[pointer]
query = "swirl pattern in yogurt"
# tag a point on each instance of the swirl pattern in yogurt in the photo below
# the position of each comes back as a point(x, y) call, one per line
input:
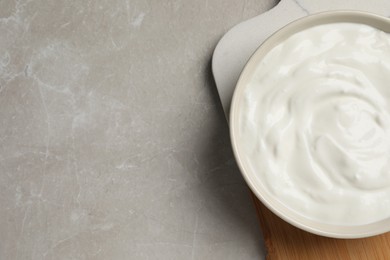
point(314, 124)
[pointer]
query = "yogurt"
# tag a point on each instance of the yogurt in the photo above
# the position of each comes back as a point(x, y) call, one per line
point(314, 123)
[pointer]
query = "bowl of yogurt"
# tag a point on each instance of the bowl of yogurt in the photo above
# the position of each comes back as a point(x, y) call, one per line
point(310, 124)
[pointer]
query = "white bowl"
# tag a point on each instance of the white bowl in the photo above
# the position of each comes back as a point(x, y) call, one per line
point(316, 227)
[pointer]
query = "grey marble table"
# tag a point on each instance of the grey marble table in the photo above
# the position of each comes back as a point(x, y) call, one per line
point(113, 143)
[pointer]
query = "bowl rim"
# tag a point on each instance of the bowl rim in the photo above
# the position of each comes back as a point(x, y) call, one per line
point(328, 17)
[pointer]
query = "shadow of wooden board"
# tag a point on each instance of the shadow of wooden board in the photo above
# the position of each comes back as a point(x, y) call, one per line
point(282, 240)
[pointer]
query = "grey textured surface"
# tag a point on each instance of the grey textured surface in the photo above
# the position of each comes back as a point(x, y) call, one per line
point(113, 143)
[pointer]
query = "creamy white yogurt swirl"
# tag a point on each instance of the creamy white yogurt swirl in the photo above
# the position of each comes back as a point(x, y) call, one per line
point(315, 123)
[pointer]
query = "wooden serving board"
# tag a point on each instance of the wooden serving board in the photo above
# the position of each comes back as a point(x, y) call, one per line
point(282, 240)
